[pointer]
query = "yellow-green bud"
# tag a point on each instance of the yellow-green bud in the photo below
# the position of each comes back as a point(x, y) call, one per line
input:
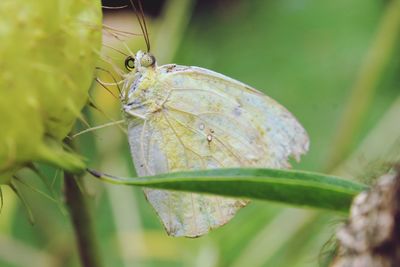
point(48, 51)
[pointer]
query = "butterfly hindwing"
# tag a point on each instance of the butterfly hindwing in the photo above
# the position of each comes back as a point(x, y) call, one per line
point(156, 148)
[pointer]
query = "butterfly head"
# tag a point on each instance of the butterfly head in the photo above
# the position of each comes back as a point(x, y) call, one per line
point(142, 61)
point(138, 95)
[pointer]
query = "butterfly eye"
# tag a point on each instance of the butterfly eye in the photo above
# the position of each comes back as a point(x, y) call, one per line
point(130, 63)
point(147, 60)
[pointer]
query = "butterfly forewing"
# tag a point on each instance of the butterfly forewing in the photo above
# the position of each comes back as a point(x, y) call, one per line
point(204, 92)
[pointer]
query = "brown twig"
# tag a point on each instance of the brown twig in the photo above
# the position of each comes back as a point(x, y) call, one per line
point(82, 223)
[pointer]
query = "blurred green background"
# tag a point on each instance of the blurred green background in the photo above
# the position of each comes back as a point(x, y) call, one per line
point(306, 54)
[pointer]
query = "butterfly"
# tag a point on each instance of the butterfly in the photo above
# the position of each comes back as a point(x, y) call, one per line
point(190, 118)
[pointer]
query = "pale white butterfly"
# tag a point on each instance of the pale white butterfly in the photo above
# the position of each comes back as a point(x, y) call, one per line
point(190, 118)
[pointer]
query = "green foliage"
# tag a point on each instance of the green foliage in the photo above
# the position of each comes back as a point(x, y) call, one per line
point(48, 52)
point(288, 186)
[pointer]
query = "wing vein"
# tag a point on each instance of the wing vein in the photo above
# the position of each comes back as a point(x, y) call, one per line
point(187, 90)
point(226, 146)
point(218, 139)
point(178, 138)
point(198, 115)
point(145, 163)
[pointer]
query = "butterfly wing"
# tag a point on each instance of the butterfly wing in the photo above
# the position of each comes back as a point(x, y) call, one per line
point(203, 92)
point(209, 121)
point(157, 147)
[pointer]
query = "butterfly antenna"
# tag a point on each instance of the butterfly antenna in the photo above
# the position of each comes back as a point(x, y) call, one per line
point(142, 22)
point(145, 25)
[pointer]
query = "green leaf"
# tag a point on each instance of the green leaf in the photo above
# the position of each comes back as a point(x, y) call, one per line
point(287, 186)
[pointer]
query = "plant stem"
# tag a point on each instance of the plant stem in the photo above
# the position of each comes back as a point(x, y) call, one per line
point(365, 86)
point(82, 223)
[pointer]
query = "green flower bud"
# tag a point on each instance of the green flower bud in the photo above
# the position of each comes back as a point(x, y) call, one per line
point(48, 51)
